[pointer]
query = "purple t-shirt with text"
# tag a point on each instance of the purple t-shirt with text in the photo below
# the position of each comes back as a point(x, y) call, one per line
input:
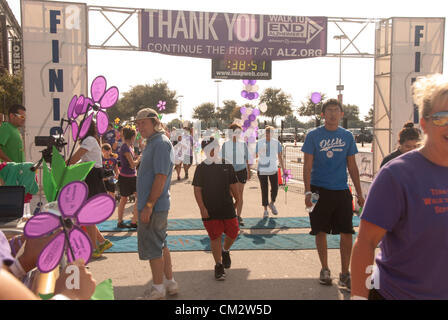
point(126, 170)
point(409, 199)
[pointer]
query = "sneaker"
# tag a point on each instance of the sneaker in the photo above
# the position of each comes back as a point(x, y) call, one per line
point(240, 221)
point(226, 262)
point(105, 245)
point(172, 287)
point(345, 281)
point(220, 274)
point(273, 208)
point(96, 253)
point(325, 278)
point(155, 294)
point(265, 214)
point(122, 225)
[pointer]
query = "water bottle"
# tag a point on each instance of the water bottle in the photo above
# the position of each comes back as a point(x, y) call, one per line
point(314, 199)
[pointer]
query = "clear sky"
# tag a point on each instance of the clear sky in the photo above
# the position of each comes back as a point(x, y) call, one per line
point(191, 77)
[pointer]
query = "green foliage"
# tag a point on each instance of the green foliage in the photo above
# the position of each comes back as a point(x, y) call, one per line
point(205, 112)
point(225, 114)
point(11, 91)
point(175, 123)
point(310, 109)
point(147, 96)
point(369, 118)
point(278, 102)
point(351, 112)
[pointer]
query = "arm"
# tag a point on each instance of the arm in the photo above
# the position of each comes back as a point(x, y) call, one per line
point(133, 164)
point(235, 194)
point(3, 156)
point(354, 174)
point(363, 256)
point(307, 166)
point(77, 156)
point(280, 160)
point(200, 202)
point(156, 191)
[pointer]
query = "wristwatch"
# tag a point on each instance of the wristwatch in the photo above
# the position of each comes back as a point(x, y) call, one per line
point(149, 205)
point(307, 193)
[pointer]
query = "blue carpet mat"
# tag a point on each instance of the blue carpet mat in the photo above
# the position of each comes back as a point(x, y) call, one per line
point(249, 223)
point(243, 242)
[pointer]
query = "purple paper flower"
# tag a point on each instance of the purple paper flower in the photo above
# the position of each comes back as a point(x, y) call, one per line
point(287, 175)
point(161, 105)
point(101, 99)
point(75, 211)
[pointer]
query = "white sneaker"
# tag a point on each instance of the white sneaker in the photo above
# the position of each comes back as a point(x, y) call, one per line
point(265, 214)
point(172, 287)
point(155, 294)
point(273, 208)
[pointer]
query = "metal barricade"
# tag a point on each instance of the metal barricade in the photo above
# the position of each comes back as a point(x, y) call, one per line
point(293, 159)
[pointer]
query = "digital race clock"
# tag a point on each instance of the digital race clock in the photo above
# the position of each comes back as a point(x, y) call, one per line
point(241, 69)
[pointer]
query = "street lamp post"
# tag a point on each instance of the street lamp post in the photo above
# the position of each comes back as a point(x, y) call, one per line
point(180, 106)
point(340, 87)
point(217, 98)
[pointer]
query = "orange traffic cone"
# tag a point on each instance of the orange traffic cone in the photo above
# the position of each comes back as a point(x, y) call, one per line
point(280, 181)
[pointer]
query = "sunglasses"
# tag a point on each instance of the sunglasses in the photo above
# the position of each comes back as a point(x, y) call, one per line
point(19, 116)
point(439, 119)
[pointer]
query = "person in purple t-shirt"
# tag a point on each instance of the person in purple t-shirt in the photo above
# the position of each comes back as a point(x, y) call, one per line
point(407, 213)
point(127, 180)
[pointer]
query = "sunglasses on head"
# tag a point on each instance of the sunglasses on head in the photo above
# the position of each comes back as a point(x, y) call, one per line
point(19, 116)
point(439, 119)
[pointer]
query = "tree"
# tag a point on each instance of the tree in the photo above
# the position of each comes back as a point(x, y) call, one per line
point(175, 123)
point(11, 91)
point(278, 102)
point(351, 112)
point(205, 112)
point(144, 96)
point(311, 109)
point(369, 117)
point(291, 121)
point(225, 113)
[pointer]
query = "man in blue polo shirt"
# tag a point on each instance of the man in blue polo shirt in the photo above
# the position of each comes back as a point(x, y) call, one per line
point(153, 203)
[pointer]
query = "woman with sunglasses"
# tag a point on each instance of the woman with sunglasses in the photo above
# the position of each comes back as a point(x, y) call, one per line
point(409, 139)
point(407, 210)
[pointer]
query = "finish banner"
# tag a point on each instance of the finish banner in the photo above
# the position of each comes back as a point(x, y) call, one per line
point(232, 35)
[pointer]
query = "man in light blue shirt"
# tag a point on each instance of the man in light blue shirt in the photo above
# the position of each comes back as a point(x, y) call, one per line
point(153, 202)
point(236, 153)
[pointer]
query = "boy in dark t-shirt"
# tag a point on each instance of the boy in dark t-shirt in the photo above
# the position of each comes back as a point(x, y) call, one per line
point(214, 184)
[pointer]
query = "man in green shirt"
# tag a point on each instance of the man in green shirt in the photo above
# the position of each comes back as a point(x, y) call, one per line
point(11, 144)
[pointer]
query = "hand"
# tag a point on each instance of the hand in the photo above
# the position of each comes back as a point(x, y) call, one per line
point(33, 248)
point(235, 205)
point(308, 202)
point(81, 288)
point(204, 213)
point(361, 201)
point(145, 215)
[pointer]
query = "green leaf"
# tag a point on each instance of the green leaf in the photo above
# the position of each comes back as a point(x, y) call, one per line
point(104, 291)
point(49, 184)
point(57, 167)
point(77, 172)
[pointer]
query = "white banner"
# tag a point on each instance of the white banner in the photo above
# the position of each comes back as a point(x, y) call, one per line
point(417, 50)
point(55, 65)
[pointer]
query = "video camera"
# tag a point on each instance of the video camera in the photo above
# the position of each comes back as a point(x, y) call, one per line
point(49, 141)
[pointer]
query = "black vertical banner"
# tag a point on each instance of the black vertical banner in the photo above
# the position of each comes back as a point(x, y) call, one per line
point(4, 61)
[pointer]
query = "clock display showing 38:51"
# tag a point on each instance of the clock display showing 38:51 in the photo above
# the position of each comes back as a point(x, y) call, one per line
point(246, 65)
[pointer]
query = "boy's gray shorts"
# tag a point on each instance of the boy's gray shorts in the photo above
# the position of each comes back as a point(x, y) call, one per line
point(152, 236)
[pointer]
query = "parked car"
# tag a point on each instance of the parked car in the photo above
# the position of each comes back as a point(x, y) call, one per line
point(286, 137)
point(365, 135)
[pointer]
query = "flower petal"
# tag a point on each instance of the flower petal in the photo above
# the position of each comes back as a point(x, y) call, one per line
point(71, 107)
point(102, 121)
point(75, 128)
point(97, 88)
point(80, 243)
point(72, 197)
point(97, 209)
point(41, 224)
point(85, 126)
point(79, 105)
point(52, 253)
point(110, 98)
point(87, 105)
